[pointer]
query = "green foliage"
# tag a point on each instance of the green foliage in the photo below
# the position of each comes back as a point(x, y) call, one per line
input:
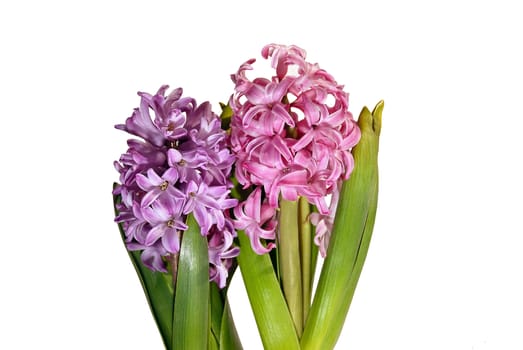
point(198, 310)
point(350, 239)
point(191, 305)
point(272, 316)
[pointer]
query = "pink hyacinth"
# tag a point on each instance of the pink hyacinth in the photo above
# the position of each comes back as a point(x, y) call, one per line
point(257, 221)
point(292, 136)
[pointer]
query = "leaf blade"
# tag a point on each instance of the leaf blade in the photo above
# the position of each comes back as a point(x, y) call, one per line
point(272, 316)
point(229, 339)
point(191, 305)
point(349, 240)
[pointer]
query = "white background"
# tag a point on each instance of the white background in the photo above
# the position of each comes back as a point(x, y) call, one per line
point(444, 270)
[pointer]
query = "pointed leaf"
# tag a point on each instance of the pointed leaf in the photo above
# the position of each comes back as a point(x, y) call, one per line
point(191, 306)
point(229, 339)
point(274, 322)
point(349, 242)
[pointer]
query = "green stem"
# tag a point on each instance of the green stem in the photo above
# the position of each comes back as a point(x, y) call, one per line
point(289, 259)
point(306, 253)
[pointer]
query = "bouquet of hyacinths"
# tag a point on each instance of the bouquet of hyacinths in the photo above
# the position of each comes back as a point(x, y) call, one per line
point(283, 174)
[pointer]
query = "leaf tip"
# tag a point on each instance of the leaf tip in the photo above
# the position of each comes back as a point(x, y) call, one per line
point(376, 114)
point(365, 119)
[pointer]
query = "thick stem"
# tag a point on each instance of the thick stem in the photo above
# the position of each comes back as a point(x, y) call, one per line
point(290, 264)
point(306, 253)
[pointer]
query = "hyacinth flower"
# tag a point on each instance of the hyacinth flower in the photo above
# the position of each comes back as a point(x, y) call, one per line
point(307, 172)
point(172, 203)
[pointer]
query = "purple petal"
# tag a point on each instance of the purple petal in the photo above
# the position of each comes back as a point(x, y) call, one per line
point(170, 175)
point(150, 197)
point(155, 215)
point(152, 258)
point(216, 191)
point(202, 218)
point(173, 156)
point(155, 233)
point(171, 241)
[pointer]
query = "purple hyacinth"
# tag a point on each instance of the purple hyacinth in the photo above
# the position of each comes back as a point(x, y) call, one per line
point(179, 165)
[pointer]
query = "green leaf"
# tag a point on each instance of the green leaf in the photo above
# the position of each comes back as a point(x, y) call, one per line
point(226, 115)
point(350, 239)
point(191, 306)
point(212, 341)
point(216, 310)
point(223, 330)
point(158, 289)
point(229, 339)
point(274, 322)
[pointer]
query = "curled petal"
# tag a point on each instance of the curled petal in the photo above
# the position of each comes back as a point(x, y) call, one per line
point(140, 124)
point(257, 219)
point(257, 245)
